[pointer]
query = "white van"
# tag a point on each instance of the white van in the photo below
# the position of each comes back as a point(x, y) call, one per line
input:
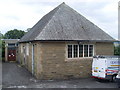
point(105, 67)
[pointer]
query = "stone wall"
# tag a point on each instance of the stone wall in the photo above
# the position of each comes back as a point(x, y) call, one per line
point(26, 59)
point(50, 60)
point(56, 65)
point(104, 48)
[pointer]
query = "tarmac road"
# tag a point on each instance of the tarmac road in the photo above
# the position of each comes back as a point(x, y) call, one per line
point(15, 76)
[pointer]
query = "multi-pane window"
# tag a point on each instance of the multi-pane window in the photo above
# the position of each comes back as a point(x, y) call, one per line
point(90, 50)
point(11, 44)
point(78, 51)
point(75, 50)
point(69, 51)
point(85, 50)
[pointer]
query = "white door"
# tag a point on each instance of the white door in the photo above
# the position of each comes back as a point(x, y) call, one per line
point(33, 59)
point(24, 55)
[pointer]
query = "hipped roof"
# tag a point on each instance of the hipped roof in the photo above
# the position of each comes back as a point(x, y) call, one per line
point(64, 23)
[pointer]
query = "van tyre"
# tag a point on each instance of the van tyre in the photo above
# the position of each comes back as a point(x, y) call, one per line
point(113, 78)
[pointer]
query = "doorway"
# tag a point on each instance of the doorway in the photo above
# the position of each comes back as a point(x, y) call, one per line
point(24, 56)
point(33, 59)
point(11, 54)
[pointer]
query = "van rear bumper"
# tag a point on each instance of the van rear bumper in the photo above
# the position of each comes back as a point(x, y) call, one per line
point(98, 77)
point(109, 77)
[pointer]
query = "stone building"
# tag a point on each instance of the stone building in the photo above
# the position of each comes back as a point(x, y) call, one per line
point(61, 45)
point(10, 49)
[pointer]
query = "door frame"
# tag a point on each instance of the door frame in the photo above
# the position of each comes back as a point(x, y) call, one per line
point(24, 56)
point(8, 50)
point(33, 59)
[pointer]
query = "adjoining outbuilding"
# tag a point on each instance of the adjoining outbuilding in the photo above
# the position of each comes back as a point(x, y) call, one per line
point(10, 49)
point(61, 45)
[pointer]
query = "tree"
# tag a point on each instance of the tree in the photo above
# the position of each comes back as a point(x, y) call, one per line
point(14, 34)
point(1, 35)
point(28, 29)
point(117, 49)
point(3, 50)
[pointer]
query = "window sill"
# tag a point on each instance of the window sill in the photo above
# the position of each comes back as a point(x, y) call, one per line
point(78, 59)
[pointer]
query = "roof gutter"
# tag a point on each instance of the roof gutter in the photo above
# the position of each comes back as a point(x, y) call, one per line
point(69, 40)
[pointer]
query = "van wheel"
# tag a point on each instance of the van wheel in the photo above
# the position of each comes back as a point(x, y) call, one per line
point(113, 78)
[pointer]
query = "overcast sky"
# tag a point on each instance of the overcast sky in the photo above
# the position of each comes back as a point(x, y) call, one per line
point(23, 14)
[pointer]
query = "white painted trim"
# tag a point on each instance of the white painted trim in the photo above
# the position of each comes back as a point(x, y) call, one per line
point(93, 51)
point(88, 50)
point(66, 49)
point(78, 51)
point(83, 50)
point(72, 51)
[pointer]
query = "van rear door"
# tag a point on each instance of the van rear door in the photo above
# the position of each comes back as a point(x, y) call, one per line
point(98, 67)
point(95, 67)
point(102, 67)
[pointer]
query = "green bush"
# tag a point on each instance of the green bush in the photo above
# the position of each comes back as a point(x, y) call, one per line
point(3, 51)
point(117, 50)
point(0, 49)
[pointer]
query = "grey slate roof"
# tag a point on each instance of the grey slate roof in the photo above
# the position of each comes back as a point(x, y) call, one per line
point(64, 23)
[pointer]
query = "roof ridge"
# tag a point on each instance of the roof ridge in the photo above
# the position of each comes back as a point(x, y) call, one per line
point(47, 14)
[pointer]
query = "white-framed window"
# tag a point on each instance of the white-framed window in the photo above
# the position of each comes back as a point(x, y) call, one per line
point(75, 51)
point(70, 51)
point(86, 50)
point(79, 51)
point(91, 50)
